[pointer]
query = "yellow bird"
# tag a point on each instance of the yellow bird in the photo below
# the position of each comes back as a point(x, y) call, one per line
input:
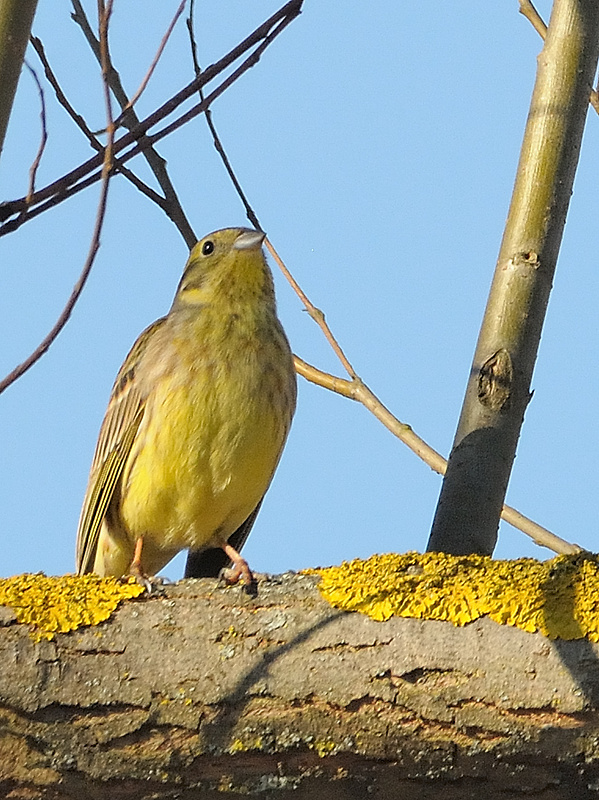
point(196, 422)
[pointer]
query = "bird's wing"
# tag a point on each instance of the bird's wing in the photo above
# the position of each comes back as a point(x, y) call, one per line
point(209, 563)
point(117, 434)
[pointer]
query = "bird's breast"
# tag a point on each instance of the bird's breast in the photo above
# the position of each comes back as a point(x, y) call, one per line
point(206, 450)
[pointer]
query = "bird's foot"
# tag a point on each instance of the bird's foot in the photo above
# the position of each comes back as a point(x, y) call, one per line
point(239, 570)
point(151, 583)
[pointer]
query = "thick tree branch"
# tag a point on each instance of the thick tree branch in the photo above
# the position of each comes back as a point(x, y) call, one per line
point(203, 692)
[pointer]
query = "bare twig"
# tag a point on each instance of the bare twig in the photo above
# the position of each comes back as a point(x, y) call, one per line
point(528, 10)
point(130, 120)
point(156, 59)
point(267, 32)
point(250, 61)
point(54, 200)
point(44, 136)
point(316, 314)
point(84, 128)
point(60, 95)
point(357, 390)
point(533, 16)
point(94, 245)
point(251, 215)
point(104, 13)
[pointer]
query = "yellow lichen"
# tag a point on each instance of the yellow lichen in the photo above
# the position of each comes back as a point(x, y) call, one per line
point(559, 597)
point(246, 744)
point(58, 605)
point(324, 748)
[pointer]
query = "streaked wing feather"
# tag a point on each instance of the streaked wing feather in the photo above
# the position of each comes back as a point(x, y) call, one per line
point(125, 400)
point(117, 434)
point(97, 501)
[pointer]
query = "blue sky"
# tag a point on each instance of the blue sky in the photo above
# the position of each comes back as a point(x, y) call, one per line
point(378, 147)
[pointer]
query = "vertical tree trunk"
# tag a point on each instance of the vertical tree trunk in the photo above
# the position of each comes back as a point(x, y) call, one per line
point(16, 17)
point(498, 390)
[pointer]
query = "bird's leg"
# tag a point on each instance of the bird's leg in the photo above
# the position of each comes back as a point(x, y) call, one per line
point(135, 566)
point(136, 570)
point(240, 568)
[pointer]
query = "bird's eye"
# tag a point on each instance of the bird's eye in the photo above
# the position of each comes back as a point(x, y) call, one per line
point(207, 248)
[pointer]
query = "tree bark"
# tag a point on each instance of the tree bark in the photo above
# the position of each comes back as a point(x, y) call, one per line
point(498, 390)
point(205, 692)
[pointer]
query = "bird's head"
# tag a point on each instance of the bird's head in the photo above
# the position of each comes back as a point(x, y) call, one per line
point(226, 265)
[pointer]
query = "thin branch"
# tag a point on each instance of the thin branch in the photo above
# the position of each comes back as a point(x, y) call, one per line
point(93, 250)
point(84, 128)
point(66, 186)
point(150, 193)
point(104, 13)
point(130, 120)
point(44, 136)
point(68, 191)
point(316, 314)
point(251, 215)
point(60, 95)
point(156, 59)
point(201, 107)
point(357, 390)
point(528, 10)
point(285, 15)
point(171, 204)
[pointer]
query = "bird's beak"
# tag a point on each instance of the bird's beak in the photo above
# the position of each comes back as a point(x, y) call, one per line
point(249, 240)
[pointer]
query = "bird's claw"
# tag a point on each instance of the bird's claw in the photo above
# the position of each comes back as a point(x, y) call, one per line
point(232, 575)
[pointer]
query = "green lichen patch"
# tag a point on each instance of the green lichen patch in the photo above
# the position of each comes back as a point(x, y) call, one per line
point(559, 597)
point(60, 604)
